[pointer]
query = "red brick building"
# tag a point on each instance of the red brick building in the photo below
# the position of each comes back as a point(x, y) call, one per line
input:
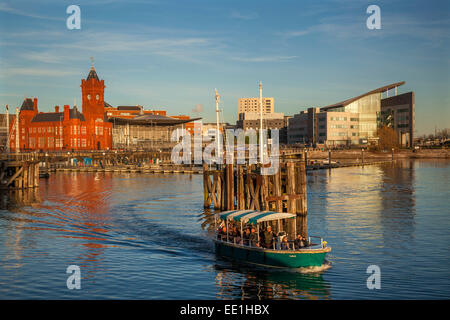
point(69, 129)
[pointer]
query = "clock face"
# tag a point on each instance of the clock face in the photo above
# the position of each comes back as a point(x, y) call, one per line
point(97, 97)
point(89, 97)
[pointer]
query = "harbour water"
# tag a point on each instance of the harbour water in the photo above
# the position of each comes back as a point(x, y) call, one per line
point(145, 236)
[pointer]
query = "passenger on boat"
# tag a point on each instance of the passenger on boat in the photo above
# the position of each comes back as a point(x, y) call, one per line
point(279, 239)
point(268, 238)
point(246, 236)
point(285, 244)
point(236, 234)
point(222, 233)
point(301, 242)
point(298, 243)
point(306, 242)
point(253, 238)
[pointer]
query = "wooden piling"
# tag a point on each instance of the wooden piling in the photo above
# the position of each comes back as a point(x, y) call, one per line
point(19, 174)
point(244, 188)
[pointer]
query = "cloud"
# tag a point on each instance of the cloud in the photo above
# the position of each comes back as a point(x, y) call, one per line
point(45, 57)
point(9, 72)
point(243, 16)
point(291, 34)
point(6, 8)
point(198, 108)
point(351, 27)
point(264, 58)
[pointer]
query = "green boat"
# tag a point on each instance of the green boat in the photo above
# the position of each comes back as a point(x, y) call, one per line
point(281, 253)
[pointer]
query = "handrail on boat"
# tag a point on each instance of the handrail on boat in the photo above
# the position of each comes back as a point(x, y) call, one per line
point(291, 243)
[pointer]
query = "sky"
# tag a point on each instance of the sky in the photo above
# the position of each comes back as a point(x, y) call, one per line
point(171, 55)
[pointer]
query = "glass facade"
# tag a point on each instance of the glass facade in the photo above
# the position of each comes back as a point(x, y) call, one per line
point(368, 107)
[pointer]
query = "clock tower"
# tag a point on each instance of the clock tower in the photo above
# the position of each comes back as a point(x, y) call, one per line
point(98, 132)
point(92, 90)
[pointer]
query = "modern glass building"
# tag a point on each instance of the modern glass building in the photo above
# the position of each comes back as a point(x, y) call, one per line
point(350, 122)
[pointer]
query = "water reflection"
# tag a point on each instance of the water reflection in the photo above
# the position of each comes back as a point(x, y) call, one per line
point(146, 236)
point(398, 204)
point(249, 283)
point(15, 199)
point(15, 241)
point(75, 207)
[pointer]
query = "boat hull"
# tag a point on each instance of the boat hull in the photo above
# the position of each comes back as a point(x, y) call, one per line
point(274, 258)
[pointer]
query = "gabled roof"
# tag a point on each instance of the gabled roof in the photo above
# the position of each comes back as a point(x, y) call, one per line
point(58, 116)
point(27, 104)
point(92, 75)
point(48, 117)
point(348, 101)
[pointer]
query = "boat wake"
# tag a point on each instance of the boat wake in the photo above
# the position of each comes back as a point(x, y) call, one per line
point(314, 269)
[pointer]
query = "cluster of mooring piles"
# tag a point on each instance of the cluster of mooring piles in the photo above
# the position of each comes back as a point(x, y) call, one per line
point(243, 187)
point(19, 174)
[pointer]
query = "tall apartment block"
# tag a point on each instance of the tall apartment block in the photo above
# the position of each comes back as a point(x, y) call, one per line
point(252, 105)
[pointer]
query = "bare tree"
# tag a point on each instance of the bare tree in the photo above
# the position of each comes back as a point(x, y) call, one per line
point(388, 138)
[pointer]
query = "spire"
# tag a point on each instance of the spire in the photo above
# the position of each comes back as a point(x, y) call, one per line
point(92, 74)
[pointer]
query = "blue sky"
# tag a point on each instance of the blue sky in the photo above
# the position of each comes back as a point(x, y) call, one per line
point(172, 54)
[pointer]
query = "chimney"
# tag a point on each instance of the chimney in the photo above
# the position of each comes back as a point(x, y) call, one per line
point(56, 109)
point(35, 105)
point(66, 112)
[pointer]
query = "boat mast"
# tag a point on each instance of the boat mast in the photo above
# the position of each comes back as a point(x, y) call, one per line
point(17, 131)
point(261, 145)
point(219, 149)
point(7, 129)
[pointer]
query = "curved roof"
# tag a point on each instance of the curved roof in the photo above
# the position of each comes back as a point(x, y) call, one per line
point(348, 101)
point(153, 119)
point(253, 216)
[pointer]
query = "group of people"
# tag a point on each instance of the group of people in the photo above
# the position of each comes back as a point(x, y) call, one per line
point(267, 238)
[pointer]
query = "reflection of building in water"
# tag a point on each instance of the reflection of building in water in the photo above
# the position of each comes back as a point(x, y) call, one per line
point(398, 202)
point(84, 200)
point(270, 284)
point(350, 195)
point(15, 199)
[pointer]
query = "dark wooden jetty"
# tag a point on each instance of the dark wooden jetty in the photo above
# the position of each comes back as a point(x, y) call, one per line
point(19, 174)
point(242, 187)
